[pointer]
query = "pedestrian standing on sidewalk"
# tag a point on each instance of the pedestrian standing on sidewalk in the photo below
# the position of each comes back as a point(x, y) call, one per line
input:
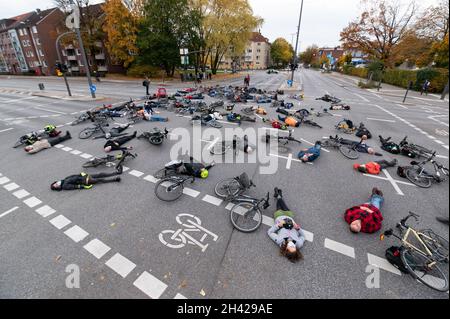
point(146, 83)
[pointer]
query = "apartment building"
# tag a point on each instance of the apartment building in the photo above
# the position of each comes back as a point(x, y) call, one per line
point(255, 57)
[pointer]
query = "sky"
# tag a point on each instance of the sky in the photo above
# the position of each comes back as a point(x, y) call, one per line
point(322, 20)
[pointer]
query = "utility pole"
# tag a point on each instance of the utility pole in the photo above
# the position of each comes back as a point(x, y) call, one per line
point(73, 22)
point(296, 44)
point(444, 93)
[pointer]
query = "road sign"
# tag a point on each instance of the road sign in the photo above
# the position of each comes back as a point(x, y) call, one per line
point(93, 88)
point(290, 82)
point(184, 60)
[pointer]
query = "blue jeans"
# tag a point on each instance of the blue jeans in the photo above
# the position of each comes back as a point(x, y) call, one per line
point(157, 118)
point(315, 150)
point(377, 201)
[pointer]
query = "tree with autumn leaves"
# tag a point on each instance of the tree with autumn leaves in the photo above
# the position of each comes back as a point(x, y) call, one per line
point(392, 34)
point(120, 27)
point(281, 52)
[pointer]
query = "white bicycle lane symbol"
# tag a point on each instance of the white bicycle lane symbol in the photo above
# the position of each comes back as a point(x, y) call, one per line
point(177, 239)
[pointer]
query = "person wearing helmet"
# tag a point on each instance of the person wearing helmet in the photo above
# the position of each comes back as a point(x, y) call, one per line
point(42, 144)
point(361, 146)
point(51, 130)
point(116, 144)
point(83, 181)
point(114, 132)
point(191, 168)
point(374, 168)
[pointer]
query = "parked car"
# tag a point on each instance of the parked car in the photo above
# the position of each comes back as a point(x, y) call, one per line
point(272, 71)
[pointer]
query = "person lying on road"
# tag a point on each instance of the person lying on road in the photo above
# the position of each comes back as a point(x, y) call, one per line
point(114, 132)
point(149, 115)
point(84, 181)
point(191, 168)
point(366, 218)
point(115, 145)
point(310, 154)
point(286, 233)
point(289, 121)
point(375, 168)
point(42, 144)
point(362, 147)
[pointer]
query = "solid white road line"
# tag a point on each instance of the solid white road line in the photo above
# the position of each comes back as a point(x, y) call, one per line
point(47, 110)
point(97, 248)
point(60, 221)
point(402, 106)
point(76, 233)
point(150, 285)
point(212, 200)
point(8, 129)
point(9, 211)
point(45, 211)
point(21, 194)
point(362, 97)
point(340, 248)
point(120, 265)
point(10, 187)
point(32, 202)
point(381, 120)
point(382, 264)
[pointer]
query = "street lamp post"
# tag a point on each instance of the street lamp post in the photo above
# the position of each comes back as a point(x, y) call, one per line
point(296, 44)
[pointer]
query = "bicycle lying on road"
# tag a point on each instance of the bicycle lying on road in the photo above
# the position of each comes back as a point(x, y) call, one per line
point(245, 215)
point(155, 137)
point(423, 253)
point(422, 178)
point(283, 141)
point(349, 151)
point(109, 160)
point(98, 127)
point(414, 149)
point(171, 188)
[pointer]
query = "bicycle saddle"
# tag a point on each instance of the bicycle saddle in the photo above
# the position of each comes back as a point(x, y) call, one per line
point(414, 163)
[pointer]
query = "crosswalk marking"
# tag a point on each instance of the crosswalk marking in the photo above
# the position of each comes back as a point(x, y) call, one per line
point(32, 202)
point(45, 211)
point(76, 233)
point(212, 200)
point(60, 222)
point(21, 194)
point(10, 187)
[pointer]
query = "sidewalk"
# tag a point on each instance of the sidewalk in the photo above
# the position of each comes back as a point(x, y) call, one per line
point(64, 96)
point(391, 90)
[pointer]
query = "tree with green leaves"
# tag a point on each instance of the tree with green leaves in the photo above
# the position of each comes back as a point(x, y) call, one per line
point(167, 26)
point(310, 55)
point(281, 52)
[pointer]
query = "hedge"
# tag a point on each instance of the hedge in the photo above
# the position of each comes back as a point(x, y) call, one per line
point(437, 76)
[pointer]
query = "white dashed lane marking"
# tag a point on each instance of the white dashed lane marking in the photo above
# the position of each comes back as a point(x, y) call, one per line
point(120, 265)
point(97, 248)
point(21, 194)
point(76, 152)
point(179, 296)
point(191, 192)
point(151, 179)
point(340, 248)
point(32, 202)
point(212, 200)
point(45, 211)
point(10, 187)
point(86, 156)
point(76, 233)
point(4, 180)
point(136, 173)
point(382, 264)
point(150, 285)
point(60, 221)
point(67, 149)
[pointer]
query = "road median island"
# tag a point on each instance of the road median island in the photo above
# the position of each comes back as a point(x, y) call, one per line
point(63, 96)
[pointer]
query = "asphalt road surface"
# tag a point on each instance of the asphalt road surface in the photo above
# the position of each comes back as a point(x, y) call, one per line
point(119, 235)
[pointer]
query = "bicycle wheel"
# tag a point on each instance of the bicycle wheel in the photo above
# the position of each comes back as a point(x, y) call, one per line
point(418, 266)
point(155, 140)
point(245, 217)
point(94, 163)
point(414, 177)
point(218, 149)
point(86, 133)
point(228, 187)
point(349, 152)
point(437, 244)
point(169, 189)
point(18, 144)
point(163, 173)
point(282, 148)
point(215, 124)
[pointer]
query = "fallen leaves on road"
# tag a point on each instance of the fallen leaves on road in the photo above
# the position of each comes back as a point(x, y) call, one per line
point(183, 284)
point(58, 258)
point(203, 293)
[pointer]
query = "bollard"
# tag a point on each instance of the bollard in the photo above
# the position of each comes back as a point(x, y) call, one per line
point(41, 86)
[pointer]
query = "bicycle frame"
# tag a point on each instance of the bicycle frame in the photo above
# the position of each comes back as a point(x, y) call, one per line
point(416, 234)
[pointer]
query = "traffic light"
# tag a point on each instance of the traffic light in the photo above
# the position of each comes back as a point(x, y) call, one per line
point(58, 69)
